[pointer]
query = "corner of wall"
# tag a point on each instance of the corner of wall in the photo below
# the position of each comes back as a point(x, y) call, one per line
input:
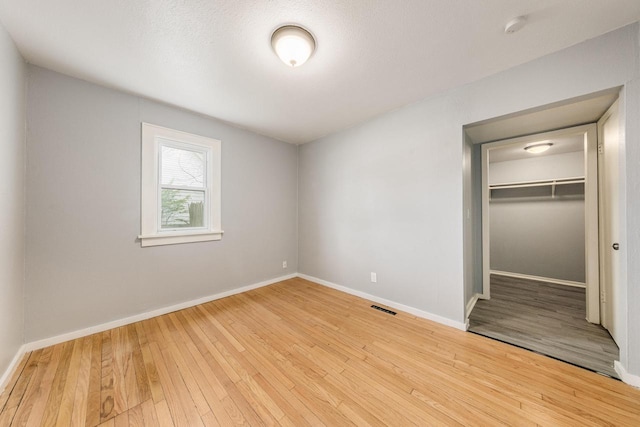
point(14, 365)
point(25, 97)
point(625, 376)
point(13, 127)
point(462, 326)
point(297, 208)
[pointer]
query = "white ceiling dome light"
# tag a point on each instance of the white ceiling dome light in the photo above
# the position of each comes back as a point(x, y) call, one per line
point(538, 148)
point(293, 44)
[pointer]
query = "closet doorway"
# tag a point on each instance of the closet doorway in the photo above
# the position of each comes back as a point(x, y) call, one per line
point(540, 210)
point(540, 227)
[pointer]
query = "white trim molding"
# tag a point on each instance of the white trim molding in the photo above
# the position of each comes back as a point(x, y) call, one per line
point(8, 373)
point(626, 377)
point(472, 303)
point(411, 310)
point(540, 279)
point(35, 345)
point(631, 379)
point(154, 139)
point(589, 133)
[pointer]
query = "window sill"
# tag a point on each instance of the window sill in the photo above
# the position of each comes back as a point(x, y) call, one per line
point(177, 238)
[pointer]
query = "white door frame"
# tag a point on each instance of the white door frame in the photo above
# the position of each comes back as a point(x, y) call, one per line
point(592, 273)
point(607, 306)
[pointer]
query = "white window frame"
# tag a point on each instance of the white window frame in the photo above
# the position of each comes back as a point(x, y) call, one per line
point(153, 138)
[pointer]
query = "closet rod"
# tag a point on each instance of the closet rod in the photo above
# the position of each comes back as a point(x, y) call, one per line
point(563, 181)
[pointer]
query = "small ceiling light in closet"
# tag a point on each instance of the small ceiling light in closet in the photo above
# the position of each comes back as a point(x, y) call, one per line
point(538, 148)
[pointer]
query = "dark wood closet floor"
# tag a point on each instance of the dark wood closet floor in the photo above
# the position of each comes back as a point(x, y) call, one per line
point(546, 318)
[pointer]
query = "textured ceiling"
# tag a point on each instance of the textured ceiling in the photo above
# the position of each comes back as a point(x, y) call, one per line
point(214, 57)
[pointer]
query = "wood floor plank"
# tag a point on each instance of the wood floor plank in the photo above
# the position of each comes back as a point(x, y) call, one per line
point(109, 423)
point(136, 417)
point(237, 416)
point(163, 414)
point(248, 413)
point(119, 367)
point(171, 391)
point(39, 400)
point(357, 417)
point(298, 354)
point(93, 405)
point(149, 414)
point(81, 393)
point(209, 420)
point(412, 407)
point(367, 399)
point(209, 387)
point(57, 387)
point(181, 373)
point(142, 380)
point(4, 396)
point(107, 399)
point(71, 383)
point(155, 387)
point(290, 405)
point(183, 396)
point(129, 368)
point(121, 420)
point(21, 387)
point(270, 360)
point(256, 400)
point(21, 417)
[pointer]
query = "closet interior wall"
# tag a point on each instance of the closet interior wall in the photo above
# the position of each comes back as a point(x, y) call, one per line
point(538, 228)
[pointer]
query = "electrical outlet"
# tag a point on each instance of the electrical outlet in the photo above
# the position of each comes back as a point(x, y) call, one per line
point(374, 277)
point(284, 264)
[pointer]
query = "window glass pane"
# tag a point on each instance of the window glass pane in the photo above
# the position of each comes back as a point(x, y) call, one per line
point(182, 208)
point(183, 167)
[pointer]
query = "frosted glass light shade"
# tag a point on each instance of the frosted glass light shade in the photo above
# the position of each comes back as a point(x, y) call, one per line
point(293, 45)
point(538, 148)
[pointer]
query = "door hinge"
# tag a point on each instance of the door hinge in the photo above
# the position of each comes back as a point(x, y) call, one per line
point(603, 297)
point(600, 149)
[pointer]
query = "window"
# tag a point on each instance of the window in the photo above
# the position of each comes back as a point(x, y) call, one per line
point(180, 187)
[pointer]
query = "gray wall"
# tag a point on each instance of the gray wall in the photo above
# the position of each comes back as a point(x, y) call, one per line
point(84, 265)
point(387, 195)
point(12, 122)
point(538, 236)
point(566, 165)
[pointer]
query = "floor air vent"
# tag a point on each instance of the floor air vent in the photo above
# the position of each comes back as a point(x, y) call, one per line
point(384, 309)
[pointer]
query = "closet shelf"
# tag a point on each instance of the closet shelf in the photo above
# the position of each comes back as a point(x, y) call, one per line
point(551, 184)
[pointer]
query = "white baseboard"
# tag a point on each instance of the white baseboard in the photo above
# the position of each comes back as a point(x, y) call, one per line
point(416, 312)
point(472, 303)
point(632, 380)
point(35, 345)
point(540, 279)
point(8, 373)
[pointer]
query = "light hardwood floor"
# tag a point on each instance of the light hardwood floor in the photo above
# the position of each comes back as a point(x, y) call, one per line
point(547, 318)
point(296, 353)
